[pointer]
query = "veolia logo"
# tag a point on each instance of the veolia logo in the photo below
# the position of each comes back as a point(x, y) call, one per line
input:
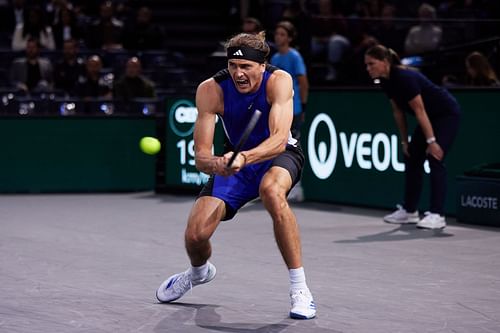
point(321, 158)
point(182, 117)
point(377, 151)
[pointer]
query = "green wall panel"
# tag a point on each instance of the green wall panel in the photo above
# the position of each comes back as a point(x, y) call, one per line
point(367, 114)
point(58, 154)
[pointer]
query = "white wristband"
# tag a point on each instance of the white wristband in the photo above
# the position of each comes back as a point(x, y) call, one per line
point(430, 140)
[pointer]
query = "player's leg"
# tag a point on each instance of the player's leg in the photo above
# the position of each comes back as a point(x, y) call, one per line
point(273, 190)
point(275, 184)
point(204, 218)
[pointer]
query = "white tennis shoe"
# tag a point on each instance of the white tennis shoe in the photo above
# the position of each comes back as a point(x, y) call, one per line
point(177, 285)
point(401, 216)
point(303, 306)
point(432, 221)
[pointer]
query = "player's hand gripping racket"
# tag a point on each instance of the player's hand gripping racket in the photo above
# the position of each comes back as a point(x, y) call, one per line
point(244, 137)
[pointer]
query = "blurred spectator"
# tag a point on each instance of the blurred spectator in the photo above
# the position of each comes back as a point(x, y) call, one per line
point(426, 36)
point(66, 28)
point(300, 17)
point(53, 9)
point(33, 27)
point(329, 42)
point(368, 8)
point(82, 19)
point(448, 9)
point(94, 84)
point(387, 32)
point(31, 73)
point(273, 12)
point(122, 9)
point(71, 69)
point(290, 60)
point(479, 71)
point(11, 15)
point(106, 32)
point(361, 41)
point(337, 49)
point(133, 84)
point(143, 34)
point(251, 25)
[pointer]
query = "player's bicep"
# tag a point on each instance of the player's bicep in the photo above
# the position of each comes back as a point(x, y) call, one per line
point(204, 132)
point(207, 104)
point(281, 115)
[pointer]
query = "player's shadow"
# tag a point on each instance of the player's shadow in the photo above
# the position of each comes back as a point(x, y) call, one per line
point(206, 317)
point(401, 233)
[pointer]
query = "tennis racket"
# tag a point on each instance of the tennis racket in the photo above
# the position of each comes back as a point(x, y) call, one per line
point(244, 137)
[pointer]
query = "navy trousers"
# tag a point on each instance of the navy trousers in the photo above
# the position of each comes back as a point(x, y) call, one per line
point(445, 130)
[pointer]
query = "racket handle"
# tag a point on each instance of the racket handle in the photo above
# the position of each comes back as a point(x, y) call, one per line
point(246, 133)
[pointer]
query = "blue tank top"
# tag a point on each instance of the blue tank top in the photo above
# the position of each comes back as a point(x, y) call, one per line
point(239, 108)
point(238, 189)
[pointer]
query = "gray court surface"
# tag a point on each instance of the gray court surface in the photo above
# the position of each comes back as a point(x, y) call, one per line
point(92, 263)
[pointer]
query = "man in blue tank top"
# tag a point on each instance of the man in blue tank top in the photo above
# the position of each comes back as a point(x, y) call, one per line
point(268, 165)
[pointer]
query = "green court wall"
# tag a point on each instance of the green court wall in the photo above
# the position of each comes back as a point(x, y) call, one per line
point(75, 154)
point(82, 154)
point(368, 113)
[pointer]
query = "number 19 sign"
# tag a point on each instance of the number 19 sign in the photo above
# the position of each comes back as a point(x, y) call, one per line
point(180, 168)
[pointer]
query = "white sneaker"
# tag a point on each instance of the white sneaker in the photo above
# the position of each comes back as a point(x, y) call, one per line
point(401, 216)
point(432, 221)
point(303, 306)
point(178, 284)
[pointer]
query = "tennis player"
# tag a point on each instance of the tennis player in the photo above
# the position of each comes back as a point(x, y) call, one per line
point(268, 166)
point(438, 117)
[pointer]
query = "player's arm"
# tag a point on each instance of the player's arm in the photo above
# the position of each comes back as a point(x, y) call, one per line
point(280, 96)
point(209, 103)
point(417, 105)
point(402, 125)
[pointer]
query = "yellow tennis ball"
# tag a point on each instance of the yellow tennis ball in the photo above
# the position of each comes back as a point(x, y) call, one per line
point(150, 145)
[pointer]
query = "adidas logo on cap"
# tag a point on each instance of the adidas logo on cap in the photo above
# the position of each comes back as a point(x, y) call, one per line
point(238, 53)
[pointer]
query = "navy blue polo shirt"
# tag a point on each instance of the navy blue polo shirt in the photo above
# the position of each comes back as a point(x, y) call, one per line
point(405, 84)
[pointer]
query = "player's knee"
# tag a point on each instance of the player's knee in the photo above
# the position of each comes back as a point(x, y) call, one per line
point(273, 195)
point(195, 236)
point(267, 191)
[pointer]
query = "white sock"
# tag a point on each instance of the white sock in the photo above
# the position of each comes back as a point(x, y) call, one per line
point(199, 272)
point(297, 278)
